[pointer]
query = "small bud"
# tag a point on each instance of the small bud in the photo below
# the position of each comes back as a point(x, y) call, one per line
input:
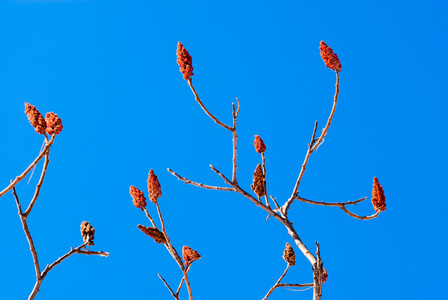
point(260, 147)
point(378, 198)
point(184, 61)
point(156, 234)
point(288, 255)
point(258, 182)
point(36, 119)
point(154, 188)
point(54, 123)
point(190, 255)
point(324, 275)
point(137, 197)
point(330, 58)
point(87, 232)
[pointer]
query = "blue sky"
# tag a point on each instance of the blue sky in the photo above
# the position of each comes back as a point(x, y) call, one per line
point(108, 69)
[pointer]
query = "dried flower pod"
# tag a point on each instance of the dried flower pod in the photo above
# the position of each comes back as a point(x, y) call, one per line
point(260, 147)
point(54, 123)
point(288, 255)
point(378, 198)
point(184, 61)
point(330, 58)
point(154, 188)
point(137, 197)
point(324, 275)
point(190, 255)
point(87, 232)
point(36, 119)
point(156, 234)
point(258, 182)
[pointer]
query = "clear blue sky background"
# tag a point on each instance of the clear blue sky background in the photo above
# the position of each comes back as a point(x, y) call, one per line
point(108, 69)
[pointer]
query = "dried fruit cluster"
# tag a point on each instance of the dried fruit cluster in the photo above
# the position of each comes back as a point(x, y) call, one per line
point(155, 233)
point(258, 182)
point(137, 197)
point(52, 123)
point(288, 255)
point(154, 188)
point(190, 255)
point(87, 232)
point(378, 198)
point(330, 58)
point(259, 145)
point(184, 61)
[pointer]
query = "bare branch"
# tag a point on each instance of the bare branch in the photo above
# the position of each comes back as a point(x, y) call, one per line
point(234, 138)
point(265, 179)
point(168, 286)
point(149, 217)
point(30, 167)
point(39, 184)
point(295, 285)
point(276, 285)
point(339, 204)
point(360, 217)
point(209, 187)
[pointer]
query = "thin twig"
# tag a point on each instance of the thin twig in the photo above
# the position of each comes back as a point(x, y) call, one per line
point(149, 217)
point(265, 179)
point(360, 217)
point(295, 285)
point(168, 286)
point(21, 176)
point(234, 139)
point(276, 285)
point(205, 109)
point(209, 187)
point(182, 281)
point(39, 184)
point(339, 204)
point(312, 146)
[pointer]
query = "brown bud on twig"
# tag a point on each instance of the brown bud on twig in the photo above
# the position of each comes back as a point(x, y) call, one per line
point(137, 197)
point(87, 232)
point(54, 123)
point(330, 58)
point(260, 147)
point(156, 234)
point(288, 255)
point(258, 182)
point(36, 119)
point(190, 255)
point(154, 188)
point(184, 61)
point(324, 275)
point(378, 198)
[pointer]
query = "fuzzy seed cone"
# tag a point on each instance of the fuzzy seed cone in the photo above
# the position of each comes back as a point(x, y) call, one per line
point(54, 123)
point(260, 147)
point(330, 58)
point(378, 198)
point(288, 255)
point(258, 182)
point(156, 234)
point(190, 255)
point(154, 188)
point(137, 197)
point(184, 61)
point(87, 232)
point(324, 275)
point(36, 119)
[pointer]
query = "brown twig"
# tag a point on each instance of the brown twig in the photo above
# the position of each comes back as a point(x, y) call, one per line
point(39, 184)
point(339, 204)
point(30, 167)
point(235, 137)
point(276, 285)
point(209, 187)
point(265, 179)
point(312, 146)
point(168, 286)
point(317, 274)
point(360, 217)
point(149, 217)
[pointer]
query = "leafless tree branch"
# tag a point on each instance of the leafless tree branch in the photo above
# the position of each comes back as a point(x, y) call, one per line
point(209, 187)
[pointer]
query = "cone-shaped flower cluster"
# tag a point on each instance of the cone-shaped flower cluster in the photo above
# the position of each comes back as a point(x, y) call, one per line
point(87, 232)
point(184, 61)
point(154, 188)
point(54, 123)
point(36, 119)
point(330, 58)
point(260, 147)
point(137, 197)
point(288, 255)
point(324, 275)
point(190, 255)
point(378, 198)
point(156, 234)
point(258, 182)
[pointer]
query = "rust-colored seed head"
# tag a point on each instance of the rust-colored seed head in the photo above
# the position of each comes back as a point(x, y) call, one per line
point(260, 147)
point(258, 182)
point(154, 189)
point(137, 197)
point(54, 123)
point(324, 275)
point(184, 61)
point(288, 255)
point(36, 119)
point(156, 234)
point(190, 255)
point(378, 198)
point(87, 232)
point(330, 58)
